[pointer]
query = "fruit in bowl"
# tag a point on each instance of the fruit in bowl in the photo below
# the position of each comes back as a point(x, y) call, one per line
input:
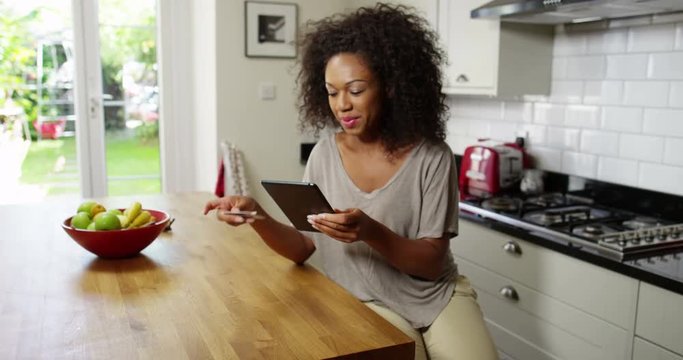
point(116, 233)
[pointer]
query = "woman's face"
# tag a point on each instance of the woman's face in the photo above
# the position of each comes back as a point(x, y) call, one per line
point(354, 94)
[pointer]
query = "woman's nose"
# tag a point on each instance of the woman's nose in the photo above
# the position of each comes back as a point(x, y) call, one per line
point(343, 102)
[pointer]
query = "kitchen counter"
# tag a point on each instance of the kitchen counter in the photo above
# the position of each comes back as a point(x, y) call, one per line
point(665, 271)
point(202, 291)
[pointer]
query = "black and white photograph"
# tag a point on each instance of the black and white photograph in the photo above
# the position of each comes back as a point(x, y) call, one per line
point(270, 29)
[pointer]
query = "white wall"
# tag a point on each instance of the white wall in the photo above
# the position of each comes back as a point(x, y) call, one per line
point(264, 130)
point(615, 111)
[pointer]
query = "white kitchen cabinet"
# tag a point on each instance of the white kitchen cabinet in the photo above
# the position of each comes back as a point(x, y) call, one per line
point(644, 350)
point(487, 57)
point(540, 304)
point(660, 318)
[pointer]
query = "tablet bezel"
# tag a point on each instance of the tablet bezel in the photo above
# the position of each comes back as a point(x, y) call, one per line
point(298, 199)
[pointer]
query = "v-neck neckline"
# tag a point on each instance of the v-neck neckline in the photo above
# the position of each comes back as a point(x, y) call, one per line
point(374, 192)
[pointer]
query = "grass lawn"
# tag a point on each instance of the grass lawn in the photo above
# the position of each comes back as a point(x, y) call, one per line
point(132, 166)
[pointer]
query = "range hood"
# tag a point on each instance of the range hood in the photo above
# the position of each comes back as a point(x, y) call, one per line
point(552, 12)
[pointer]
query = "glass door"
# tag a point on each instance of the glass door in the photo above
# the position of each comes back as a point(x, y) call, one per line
point(78, 99)
point(123, 102)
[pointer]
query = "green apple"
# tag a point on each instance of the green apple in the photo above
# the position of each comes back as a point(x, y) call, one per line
point(91, 207)
point(115, 211)
point(86, 206)
point(107, 222)
point(91, 227)
point(97, 216)
point(81, 220)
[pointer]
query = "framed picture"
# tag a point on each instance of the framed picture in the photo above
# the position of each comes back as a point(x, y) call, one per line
point(270, 29)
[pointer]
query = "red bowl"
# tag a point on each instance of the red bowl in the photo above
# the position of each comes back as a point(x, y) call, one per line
point(115, 244)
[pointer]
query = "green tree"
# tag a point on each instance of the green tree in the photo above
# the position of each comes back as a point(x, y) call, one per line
point(17, 59)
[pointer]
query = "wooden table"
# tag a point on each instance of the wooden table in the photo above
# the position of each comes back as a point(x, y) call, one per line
point(202, 291)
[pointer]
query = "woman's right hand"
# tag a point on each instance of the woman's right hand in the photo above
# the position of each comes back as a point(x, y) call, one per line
point(232, 203)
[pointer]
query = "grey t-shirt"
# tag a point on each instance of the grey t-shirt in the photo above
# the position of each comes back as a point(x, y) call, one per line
point(420, 200)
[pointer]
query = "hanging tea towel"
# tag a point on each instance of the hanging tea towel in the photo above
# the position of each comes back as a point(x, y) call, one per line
point(231, 176)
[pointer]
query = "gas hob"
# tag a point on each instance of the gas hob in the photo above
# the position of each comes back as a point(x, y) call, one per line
point(613, 232)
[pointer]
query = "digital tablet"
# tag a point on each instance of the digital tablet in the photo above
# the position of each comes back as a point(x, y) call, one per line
point(297, 200)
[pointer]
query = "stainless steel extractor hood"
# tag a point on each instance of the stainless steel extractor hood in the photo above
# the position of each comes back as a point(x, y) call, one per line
point(572, 11)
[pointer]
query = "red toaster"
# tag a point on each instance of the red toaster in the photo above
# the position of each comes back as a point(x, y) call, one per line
point(487, 169)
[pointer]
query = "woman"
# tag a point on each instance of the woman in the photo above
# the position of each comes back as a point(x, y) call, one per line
point(374, 74)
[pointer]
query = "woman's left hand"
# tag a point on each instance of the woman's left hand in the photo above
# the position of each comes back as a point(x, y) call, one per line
point(348, 225)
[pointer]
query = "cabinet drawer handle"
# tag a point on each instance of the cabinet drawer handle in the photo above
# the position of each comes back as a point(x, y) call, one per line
point(462, 78)
point(513, 248)
point(509, 292)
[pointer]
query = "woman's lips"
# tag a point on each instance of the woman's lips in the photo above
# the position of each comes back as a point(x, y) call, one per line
point(349, 121)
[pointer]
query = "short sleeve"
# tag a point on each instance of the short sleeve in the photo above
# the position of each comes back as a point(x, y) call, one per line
point(439, 208)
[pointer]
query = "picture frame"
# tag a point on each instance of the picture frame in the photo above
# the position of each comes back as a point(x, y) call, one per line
point(270, 29)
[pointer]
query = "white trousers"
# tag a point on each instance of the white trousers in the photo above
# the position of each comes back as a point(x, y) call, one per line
point(458, 333)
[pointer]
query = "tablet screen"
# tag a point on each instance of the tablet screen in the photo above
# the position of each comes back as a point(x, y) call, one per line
point(297, 200)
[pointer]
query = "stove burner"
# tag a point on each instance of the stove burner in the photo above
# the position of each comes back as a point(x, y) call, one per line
point(592, 231)
point(640, 223)
point(501, 204)
point(546, 200)
point(564, 215)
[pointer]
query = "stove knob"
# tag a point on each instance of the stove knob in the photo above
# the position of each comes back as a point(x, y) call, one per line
point(649, 238)
point(623, 243)
point(635, 241)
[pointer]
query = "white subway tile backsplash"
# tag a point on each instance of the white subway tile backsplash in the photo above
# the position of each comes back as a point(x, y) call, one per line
point(615, 111)
point(536, 134)
point(663, 122)
point(631, 66)
point(607, 42)
point(676, 94)
point(459, 143)
point(569, 44)
point(566, 91)
point(599, 142)
point(480, 129)
point(563, 138)
point(666, 66)
point(559, 68)
point(661, 178)
point(641, 147)
point(550, 114)
point(651, 38)
point(603, 92)
point(618, 171)
point(490, 109)
point(458, 125)
point(546, 158)
point(503, 131)
point(673, 151)
point(583, 116)
point(625, 119)
point(517, 111)
point(586, 68)
point(646, 93)
point(585, 165)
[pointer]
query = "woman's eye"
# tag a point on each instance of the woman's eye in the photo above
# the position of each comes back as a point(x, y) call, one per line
point(355, 92)
point(330, 94)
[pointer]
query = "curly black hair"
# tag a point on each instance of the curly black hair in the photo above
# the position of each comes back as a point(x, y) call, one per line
point(400, 49)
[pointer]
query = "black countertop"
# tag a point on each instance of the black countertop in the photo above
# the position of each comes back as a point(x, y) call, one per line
point(664, 270)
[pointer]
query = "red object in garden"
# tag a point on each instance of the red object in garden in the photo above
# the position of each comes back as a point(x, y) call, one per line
point(50, 129)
